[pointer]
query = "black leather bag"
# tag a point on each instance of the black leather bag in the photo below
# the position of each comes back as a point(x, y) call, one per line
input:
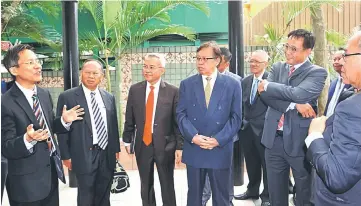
point(120, 179)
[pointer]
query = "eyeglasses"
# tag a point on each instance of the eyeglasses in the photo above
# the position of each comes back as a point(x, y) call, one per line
point(255, 62)
point(32, 62)
point(203, 59)
point(292, 49)
point(151, 67)
point(347, 55)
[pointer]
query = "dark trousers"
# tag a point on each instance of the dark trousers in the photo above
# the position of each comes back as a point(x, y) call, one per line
point(254, 154)
point(219, 181)
point(51, 200)
point(94, 188)
point(4, 174)
point(278, 170)
point(165, 167)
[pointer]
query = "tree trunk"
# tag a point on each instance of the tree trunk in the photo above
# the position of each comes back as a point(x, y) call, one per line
point(320, 53)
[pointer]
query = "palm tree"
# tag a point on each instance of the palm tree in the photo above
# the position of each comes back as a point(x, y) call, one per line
point(121, 25)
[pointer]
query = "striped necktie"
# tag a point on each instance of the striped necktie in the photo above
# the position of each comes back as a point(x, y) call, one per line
point(99, 123)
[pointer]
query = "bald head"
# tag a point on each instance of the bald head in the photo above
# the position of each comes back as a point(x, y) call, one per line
point(262, 54)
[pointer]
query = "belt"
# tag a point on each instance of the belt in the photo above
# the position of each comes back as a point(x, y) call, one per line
point(95, 147)
point(279, 133)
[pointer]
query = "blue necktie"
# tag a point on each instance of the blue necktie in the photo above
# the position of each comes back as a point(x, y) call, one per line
point(254, 90)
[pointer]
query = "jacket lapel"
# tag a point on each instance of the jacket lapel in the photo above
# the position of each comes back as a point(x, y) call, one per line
point(299, 70)
point(81, 100)
point(161, 99)
point(108, 106)
point(248, 89)
point(217, 94)
point(199, 92)
point(23, 103)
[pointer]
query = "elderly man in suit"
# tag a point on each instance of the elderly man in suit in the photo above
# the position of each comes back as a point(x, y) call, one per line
point(335, 152)
point(222, 67)
point(254, 110)
point(155, 126)
point(337, 86)
point(27, 132)
point(209, 115)
point(291, 92)
point(91, 147)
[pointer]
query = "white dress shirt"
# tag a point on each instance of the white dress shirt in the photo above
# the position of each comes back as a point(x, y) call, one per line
point(333, 102)
point(211, 82)
point(28, 93)
point(259, 78)
point(103, 113)
point(156, 92)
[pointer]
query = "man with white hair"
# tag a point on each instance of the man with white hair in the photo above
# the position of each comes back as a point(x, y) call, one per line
point(151, 116)
point(334, 143)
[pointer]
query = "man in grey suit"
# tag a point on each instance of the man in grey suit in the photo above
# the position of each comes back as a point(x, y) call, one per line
point(254, 112)
point(334, 146)
point(291, 93)
point(222, 68)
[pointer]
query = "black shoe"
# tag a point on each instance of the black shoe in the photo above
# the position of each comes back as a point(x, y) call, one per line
point(265, 203)
point(246, 196)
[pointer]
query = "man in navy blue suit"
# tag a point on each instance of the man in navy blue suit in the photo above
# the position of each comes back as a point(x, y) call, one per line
point(335, 151)
point(337, 86)
point(209, 115)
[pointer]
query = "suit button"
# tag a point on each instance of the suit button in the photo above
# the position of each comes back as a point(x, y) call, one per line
point(48, 165)
point(155, 125)
point(217, 122)
point(90, 148)
point(194, 105)
point(195, 119)
point(46, 148)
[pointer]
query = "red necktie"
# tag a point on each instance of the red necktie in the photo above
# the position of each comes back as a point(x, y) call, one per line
point(280, 123)
point(147, 134)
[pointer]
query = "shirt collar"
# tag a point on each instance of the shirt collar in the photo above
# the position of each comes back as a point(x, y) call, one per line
point(298, 65)
point(27, 92)
point(88, 91)
point(213, 75)
point(156, 85)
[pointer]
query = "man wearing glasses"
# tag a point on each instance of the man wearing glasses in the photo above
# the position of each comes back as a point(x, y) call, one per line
point(291, 92)
point(334, 144)
point(209, 115)
point(27, 132)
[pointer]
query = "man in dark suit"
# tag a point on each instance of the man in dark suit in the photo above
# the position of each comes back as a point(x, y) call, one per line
point(209, 115)
point(335, 151)
point(151, 116)
point(27, 132)
point(91, 147)
point(254, 112)
point(337, 86)
point(222, 68)
point(291, 92)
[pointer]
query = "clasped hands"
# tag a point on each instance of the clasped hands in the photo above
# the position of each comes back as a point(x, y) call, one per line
point(68, 116)
point(205, 142)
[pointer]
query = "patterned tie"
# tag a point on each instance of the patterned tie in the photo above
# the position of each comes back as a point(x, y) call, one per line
point(99, 123)
point(40, 117)
point(254, 90)
point(147, 134)
point(207, 90)
point(280, 123)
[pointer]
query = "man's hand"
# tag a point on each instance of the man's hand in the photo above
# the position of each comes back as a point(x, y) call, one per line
point(261, 86)
point(67, 163)
point(38, 135)
point(178, 156)
point(306, 110)
point(117, 155)
point(210, 144)
point(72, 114)
point(318, 125)
point(127, 149)
point(200, 140)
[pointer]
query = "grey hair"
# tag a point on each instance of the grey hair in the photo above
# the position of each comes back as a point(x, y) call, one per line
point(160, 57)
point(262, 52)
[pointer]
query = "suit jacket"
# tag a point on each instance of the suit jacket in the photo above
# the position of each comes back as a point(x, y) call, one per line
point(303, 86)
point(26, 170)
point(166, 135)
point(253, 114)
point(222, 120)
point(238, 78)
point(336, 157)
point(331, 91)
point(77, 144)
